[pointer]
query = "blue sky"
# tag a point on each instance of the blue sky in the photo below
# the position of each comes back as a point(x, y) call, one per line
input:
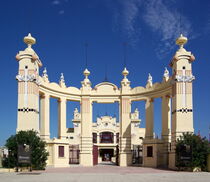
point(62, 27)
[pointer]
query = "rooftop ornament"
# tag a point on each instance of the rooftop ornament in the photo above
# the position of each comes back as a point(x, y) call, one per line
point(86, 73)
point(29, 40)
point(125, 72)
point(181, 41)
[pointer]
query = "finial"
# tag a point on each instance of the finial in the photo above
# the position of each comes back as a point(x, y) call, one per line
point(76, 110)
point(166, 73)
point(86, 73)
point(149, 78)
point(29, 40)
point(45, 75)
point(181, 40)
point(62, 78)
point(125, 72)
point(86, 82)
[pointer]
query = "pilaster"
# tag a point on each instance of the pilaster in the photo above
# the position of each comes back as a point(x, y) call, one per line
point(149, 107)
point(45, 116)
point(125, 158)
point(86, 152)
point(62, 117)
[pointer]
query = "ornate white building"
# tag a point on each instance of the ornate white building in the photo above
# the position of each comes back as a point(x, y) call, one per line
point(175, 91)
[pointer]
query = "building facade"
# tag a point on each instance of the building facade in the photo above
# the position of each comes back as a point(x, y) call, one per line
point(105, 134)
point(175, 91)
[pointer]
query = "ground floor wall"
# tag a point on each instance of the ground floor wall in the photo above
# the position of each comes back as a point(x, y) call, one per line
point(151, 154)
point(58, 153)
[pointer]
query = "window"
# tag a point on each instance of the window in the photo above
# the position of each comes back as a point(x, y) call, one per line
point(94, 137)
point(60, 151)
point(106, 137)
point(149, 151)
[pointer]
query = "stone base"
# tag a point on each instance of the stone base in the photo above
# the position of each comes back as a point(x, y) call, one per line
point(125, 159)
point(157, 158)
point(172, 161)
point(86, 159)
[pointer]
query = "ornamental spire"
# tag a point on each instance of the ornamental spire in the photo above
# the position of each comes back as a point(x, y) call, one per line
point(125, 81)
point(149, 81)
point(29, 40)
point(86, 81)
point(45, 75)
point(62, 81)
point(181, 41)
point(125, 72)
point(166, 75)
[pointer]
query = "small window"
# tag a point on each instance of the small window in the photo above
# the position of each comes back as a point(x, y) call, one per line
point(71, 137)
point(141, 138)
point(149, 151)
point(60, 151)
point(94, 137)
point(26, 67)
point(183, 68)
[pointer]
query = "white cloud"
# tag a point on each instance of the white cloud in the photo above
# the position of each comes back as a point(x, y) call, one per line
point(158, 16)
point(167, 23)
point(126, 13)
point(56, 2)
point(61, 12)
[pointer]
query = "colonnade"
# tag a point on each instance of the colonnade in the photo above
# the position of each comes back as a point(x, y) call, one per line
point(45, 116)
point(125, 124)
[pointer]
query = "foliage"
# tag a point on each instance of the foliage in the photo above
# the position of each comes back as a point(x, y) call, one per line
point(198, 147)
point(38, 149)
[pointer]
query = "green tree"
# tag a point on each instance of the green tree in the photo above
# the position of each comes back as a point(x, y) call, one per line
point(196, 148)
point(39, 153)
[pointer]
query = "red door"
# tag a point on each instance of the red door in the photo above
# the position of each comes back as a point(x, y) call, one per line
point(95, 154)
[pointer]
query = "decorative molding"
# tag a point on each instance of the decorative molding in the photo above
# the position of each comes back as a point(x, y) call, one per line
point(184, 78)
point(183, 110)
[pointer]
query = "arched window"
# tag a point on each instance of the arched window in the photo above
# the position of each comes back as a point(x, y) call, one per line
point(106, 137)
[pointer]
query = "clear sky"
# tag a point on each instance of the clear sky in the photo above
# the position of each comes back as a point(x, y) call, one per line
point(62, 27)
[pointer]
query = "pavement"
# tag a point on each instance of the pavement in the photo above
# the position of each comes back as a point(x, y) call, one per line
point(105, 173)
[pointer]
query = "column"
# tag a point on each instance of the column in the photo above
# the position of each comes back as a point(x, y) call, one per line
point(166, 129)
point(98, 138)
point(166, 118)
point(62, 117)
point(149, 107)
point(86, 152)
point(45, 116)
point(125, 132)
point(115, 138)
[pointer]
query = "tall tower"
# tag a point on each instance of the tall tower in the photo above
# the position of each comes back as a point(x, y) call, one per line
point(182, 101)
point(28, 87)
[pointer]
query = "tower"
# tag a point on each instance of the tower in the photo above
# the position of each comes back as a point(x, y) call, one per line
point(28, 87)
point(182, 105)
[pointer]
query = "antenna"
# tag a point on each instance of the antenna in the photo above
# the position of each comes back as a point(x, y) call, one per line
point(28, 14)
point(86, 47)
point(125, 53)
point(106, 78)
point(180, 21)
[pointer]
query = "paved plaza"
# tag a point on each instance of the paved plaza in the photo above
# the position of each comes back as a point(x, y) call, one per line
point(105, 173)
